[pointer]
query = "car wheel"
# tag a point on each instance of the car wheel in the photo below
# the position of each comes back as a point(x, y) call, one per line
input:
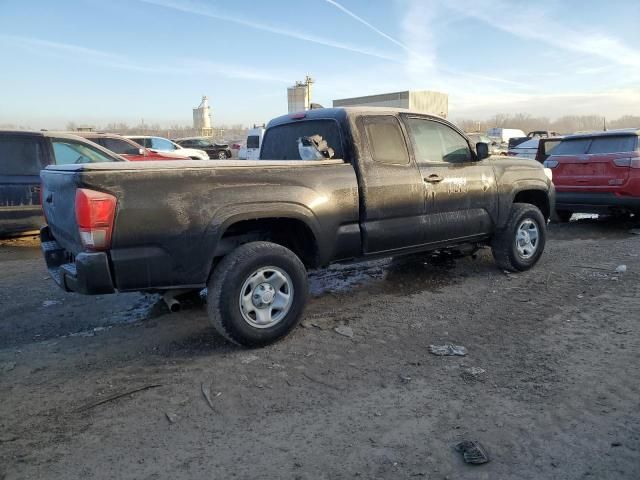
point(257, 294)
point(563, 216)
point(222, 155)
point(519, 245)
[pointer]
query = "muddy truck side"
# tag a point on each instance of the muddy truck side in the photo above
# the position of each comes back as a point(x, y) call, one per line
point(385, 183)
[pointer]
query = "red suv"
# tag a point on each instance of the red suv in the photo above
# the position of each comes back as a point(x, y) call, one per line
point(597, 173)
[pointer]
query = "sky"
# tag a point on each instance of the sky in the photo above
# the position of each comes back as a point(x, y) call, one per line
point(102, 61)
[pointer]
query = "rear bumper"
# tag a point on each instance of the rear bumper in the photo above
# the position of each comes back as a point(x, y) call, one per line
point(595, 202)
point(87, 273)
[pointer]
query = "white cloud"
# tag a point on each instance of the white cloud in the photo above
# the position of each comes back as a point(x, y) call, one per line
point(106, 59)
point(531, 22)
point(207, 11)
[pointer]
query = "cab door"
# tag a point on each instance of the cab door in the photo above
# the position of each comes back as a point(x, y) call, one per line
point(392, 201)
point(21, 159)
point(460, 192)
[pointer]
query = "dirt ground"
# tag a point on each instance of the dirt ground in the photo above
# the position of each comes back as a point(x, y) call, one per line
point(550, 385)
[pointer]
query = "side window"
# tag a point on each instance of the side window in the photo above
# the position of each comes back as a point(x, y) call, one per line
point(119, 146)
point(20, 155)
point(619, 144)
point(143, 142)
point(68, 152)
point(186, 143)
point(425, 136)
point(436, 142)
point(455, 146)
point(162, 144)
point(386, 140)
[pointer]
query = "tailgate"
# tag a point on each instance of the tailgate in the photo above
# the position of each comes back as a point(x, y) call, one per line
point(578, 172)
point(58, 203)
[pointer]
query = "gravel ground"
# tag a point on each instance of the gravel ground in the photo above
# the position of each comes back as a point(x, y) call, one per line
point(550, 385)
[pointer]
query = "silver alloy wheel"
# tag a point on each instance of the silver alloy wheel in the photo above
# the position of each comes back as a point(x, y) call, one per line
point(266, 297)
point(222, 155)
point(527, 238)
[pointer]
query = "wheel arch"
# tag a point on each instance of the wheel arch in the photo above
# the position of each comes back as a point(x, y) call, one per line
point(293, 228)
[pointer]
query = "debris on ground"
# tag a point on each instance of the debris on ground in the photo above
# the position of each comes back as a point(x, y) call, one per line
point(247, 359)
point(206, 391)
point(621, 268)
point(448, 350)
point(472, 452)
point(50, 303)
point(405, 378)
point(344, 331)
point(473, 372)
point(117, 396)
point(172, 417)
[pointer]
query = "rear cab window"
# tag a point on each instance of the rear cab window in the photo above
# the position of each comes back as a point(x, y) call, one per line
point(21, 155)
point(281, 141)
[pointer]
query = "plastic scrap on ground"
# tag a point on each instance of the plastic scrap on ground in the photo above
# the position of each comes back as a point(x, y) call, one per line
point(448, 350)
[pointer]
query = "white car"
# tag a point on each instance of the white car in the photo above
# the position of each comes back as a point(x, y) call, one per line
point(528, 149)
point(159, 144)
point(254, 142)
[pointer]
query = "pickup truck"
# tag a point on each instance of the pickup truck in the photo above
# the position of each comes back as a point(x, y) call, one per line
point(391, 182)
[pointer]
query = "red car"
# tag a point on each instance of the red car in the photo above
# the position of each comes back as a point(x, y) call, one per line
point(597, 173)
point(126, 148)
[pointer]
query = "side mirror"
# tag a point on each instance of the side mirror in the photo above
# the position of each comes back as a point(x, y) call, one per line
point(482, 150)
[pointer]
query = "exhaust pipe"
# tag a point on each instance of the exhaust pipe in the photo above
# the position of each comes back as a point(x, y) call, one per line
point(170, 300)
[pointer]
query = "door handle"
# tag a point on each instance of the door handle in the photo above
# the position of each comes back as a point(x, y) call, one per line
point(433, 178)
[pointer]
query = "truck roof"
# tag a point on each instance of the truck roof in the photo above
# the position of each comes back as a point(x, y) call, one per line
point(341, 114)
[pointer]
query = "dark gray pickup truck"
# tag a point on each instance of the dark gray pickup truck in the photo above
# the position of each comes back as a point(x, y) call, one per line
point(389, 182)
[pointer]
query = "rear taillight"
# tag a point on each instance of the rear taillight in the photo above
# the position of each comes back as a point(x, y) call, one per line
point(550, 163)
point(622, 162)
point(95, 212)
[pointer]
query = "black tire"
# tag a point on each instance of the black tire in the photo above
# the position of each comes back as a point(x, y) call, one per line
point(228, 279)
point(563, 216)
point(504, 246)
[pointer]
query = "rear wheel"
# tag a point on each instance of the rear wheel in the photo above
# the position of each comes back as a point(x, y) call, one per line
point(257, 294)
point(519, 245)
point(222, 155)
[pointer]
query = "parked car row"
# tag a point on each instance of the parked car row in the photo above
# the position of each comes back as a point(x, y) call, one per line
point(23, 154)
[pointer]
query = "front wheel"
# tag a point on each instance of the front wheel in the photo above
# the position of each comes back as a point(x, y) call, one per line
point(257, 294)
point(222, 155)
point(519, 245)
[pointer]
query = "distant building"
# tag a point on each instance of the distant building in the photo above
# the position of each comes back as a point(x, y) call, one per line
point(423, 101)
point(202, 118)
point(84, 128)
point(299, 95)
